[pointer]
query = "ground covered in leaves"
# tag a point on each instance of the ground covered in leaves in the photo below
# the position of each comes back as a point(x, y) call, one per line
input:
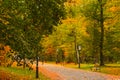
point(9, 76)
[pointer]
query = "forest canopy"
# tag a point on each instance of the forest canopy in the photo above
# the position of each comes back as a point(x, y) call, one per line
point(55, 28)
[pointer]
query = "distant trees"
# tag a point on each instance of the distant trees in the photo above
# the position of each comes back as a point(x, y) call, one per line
point(95, 23)
point(98, 12)
point(93, 10)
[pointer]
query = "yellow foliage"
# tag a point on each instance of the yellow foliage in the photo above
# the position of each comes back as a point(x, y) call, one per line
point(114, 9)
point(7, 48)
point(14, 64)
point(4, 21)
point(115, 71)
point(72, 2)
point(69, 21)
point(116, 49)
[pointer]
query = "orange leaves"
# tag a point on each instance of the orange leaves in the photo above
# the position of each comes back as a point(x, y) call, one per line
point(114, 9)
point(69, 21)
point(65, 53)
point(50, 50)
point(1, 58)
point(3, 51)
point(7, 48)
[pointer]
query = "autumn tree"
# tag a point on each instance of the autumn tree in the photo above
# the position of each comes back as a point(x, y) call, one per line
point(99, 15)
point(94, 12)
point(112, 31)
point(23, 23)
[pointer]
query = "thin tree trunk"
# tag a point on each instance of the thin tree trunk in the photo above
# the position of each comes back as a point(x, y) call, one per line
point(24, 62)
point(76, 52)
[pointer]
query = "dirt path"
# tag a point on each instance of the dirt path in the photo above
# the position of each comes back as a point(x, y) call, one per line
point(50, 74)
point(62, 73)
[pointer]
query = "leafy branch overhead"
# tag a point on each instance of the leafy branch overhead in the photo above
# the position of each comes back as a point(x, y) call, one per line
point(24, 22)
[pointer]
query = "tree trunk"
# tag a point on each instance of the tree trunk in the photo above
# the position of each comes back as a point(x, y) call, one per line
point(37, 70)
point(76, 52)
point(102, 33)
point(24, 62)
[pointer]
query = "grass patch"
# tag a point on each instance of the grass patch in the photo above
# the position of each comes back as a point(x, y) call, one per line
point(82, 66)
point(22, 73)
point(113, 69)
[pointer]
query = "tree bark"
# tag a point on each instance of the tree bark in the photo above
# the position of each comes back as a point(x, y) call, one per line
point(102, 32)
point(75, 45)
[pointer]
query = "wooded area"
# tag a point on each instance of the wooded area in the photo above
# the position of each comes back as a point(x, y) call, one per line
point(53, 29)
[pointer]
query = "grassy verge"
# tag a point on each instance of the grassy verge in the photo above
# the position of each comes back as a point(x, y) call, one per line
point(113, 69)
point(20, 74)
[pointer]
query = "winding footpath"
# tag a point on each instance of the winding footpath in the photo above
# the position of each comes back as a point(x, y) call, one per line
point(56, 72)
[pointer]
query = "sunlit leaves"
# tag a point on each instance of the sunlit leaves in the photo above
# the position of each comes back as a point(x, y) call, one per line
point(83, 20)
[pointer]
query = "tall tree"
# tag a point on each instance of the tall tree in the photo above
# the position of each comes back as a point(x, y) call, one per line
point(102, 31)
point(25, 21)
point(93, 10)
point(112, 31)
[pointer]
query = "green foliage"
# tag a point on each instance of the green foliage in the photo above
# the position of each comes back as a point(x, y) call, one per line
point(22, 23)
